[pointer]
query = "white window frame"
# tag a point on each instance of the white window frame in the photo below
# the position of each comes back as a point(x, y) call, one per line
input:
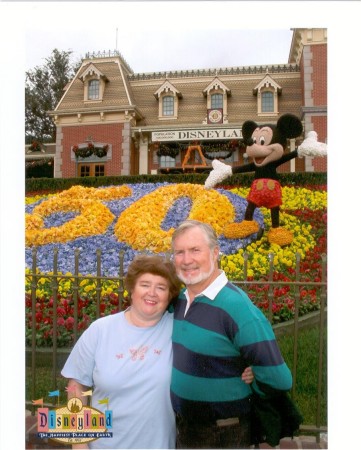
point(219, 95)
point(268, 84)
point(167, 90)
point(90, 74)
point(166, 110)
point(89, 89)
point(262, 95)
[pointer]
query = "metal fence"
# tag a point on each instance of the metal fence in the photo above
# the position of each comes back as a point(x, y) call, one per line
point(292, 327)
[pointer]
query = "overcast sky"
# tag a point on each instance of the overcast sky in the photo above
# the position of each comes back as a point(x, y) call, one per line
point(159, 36)
point(162, 50)
point(171, 49)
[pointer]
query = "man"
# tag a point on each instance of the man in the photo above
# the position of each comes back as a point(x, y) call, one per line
point(217, 333)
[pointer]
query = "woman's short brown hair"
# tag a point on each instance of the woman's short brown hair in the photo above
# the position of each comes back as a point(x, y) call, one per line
point(156, 265)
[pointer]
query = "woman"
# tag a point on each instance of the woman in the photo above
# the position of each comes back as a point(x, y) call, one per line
point(127, 358)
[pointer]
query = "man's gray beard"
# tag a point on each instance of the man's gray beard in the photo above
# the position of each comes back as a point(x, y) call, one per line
point(197, 278)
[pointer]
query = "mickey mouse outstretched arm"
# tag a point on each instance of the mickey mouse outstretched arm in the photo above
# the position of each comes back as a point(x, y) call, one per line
point(222, 171)
point(311, 147)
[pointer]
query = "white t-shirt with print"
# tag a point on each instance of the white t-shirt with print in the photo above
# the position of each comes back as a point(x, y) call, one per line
point(132, 367)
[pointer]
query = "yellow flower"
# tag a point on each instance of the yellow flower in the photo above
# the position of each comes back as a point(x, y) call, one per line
point(140, 224)
point(94, 218)
point(89, 287)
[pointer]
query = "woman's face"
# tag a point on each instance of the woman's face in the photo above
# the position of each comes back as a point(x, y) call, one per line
point(150, 297)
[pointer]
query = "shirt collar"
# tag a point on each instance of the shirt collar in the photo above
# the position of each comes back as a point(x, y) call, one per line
point(213, 289)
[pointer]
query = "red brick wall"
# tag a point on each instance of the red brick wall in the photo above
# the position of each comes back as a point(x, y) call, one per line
point(320, 126)
point(107, 133)
point(320, 164)
point(319, 95)
point(302, 70)
point(319, 75)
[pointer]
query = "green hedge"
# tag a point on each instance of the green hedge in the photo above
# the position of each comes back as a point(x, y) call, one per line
point(59, 184)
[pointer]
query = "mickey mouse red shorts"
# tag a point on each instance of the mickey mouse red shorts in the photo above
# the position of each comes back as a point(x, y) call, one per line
point(265, 192)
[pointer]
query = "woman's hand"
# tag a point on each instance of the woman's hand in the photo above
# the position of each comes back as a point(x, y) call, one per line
point(247, 375)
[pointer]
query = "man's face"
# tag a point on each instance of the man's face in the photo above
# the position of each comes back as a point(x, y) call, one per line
point(195, 262)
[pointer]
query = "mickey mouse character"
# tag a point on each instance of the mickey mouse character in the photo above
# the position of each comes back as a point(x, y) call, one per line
point(265, 145)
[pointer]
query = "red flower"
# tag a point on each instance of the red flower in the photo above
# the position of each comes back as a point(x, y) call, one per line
point(69, 323)
point(60, 322)
point(60, 311)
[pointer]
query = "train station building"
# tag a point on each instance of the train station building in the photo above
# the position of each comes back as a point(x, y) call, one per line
point(112, 121)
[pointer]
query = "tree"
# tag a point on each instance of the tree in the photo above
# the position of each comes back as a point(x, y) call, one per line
point(44, 88)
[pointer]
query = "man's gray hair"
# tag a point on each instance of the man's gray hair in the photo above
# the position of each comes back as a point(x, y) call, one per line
point(205, 227)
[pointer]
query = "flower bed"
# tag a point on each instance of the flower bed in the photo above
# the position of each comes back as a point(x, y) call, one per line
point(141, 217)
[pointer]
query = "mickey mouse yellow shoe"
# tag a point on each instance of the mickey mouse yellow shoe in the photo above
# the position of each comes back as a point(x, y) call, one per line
point(240, 230)
point(280, 236)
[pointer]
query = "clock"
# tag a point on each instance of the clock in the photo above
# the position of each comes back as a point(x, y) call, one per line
point(214, 115)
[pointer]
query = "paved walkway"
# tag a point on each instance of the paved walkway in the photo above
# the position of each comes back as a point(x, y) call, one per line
point(308, 442)
point(34, 442)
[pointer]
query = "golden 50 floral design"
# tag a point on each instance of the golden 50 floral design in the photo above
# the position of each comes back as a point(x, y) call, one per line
point(141, 224)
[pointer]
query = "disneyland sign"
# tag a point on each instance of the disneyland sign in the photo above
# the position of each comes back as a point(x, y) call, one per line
point(199, 135)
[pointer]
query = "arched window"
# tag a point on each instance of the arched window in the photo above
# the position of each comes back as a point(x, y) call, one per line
point(168, 105)
point(168, 101)
point(94, 83)
point(267, 99)
point(93, 90)
point(267, 92)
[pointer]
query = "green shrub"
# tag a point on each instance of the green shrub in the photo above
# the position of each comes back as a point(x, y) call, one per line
point(58, 184)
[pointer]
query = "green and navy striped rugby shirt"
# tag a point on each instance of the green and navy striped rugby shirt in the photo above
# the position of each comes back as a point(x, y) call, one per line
point(221, 334)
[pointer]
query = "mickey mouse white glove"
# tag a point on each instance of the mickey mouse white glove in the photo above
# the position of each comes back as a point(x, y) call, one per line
point(311, 147)
point(219, 173)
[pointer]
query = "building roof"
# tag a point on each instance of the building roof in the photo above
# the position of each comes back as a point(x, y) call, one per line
point(125, 90)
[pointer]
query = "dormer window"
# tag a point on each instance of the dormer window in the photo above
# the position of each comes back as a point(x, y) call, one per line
point(93, 90)
point(168, 97)
point(217, 94)
point(267, 92)
point(216, 101)
point(267, 101)
point(168, 105)
point(94, 84)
